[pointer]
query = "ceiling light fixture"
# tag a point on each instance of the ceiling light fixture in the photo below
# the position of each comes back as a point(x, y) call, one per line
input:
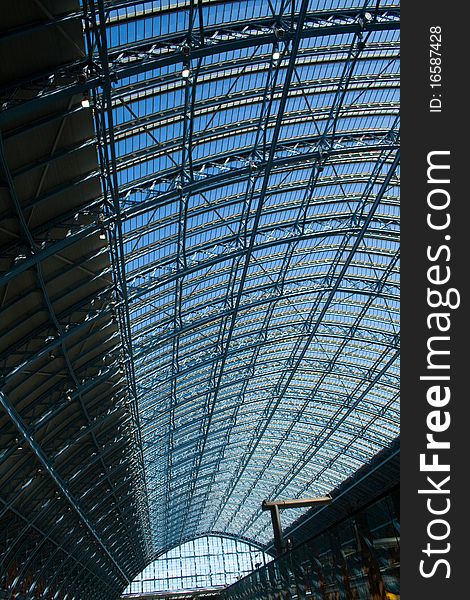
point(86, 100)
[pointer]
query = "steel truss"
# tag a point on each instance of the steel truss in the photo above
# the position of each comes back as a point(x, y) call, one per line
point(231, 225)
point(247, 292)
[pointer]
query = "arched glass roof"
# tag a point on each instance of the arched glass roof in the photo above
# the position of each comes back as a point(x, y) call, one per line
point(208, 563)
point(254, 149)
point(199, 273)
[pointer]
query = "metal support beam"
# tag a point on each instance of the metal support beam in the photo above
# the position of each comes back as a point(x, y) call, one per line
point(277, 530)
point(296, 503)
point(320, 24)
point(59, 482)
point(104, 125)
point(275, 506)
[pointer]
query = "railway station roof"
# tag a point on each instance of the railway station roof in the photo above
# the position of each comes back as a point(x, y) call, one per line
point(199, 287)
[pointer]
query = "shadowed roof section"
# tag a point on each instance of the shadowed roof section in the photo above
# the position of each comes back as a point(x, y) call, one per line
point(73, 512)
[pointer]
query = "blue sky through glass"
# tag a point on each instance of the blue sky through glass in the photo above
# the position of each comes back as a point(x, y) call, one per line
point(261, 252)
point(207, 562)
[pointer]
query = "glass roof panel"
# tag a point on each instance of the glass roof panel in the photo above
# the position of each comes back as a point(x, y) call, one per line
point(207, 562)
point(261, 239)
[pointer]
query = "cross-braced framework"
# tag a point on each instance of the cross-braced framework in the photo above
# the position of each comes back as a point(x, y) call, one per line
point(254, 150)
point(249, 168)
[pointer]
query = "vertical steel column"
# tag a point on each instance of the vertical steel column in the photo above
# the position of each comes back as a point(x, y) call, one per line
point(277, 529)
